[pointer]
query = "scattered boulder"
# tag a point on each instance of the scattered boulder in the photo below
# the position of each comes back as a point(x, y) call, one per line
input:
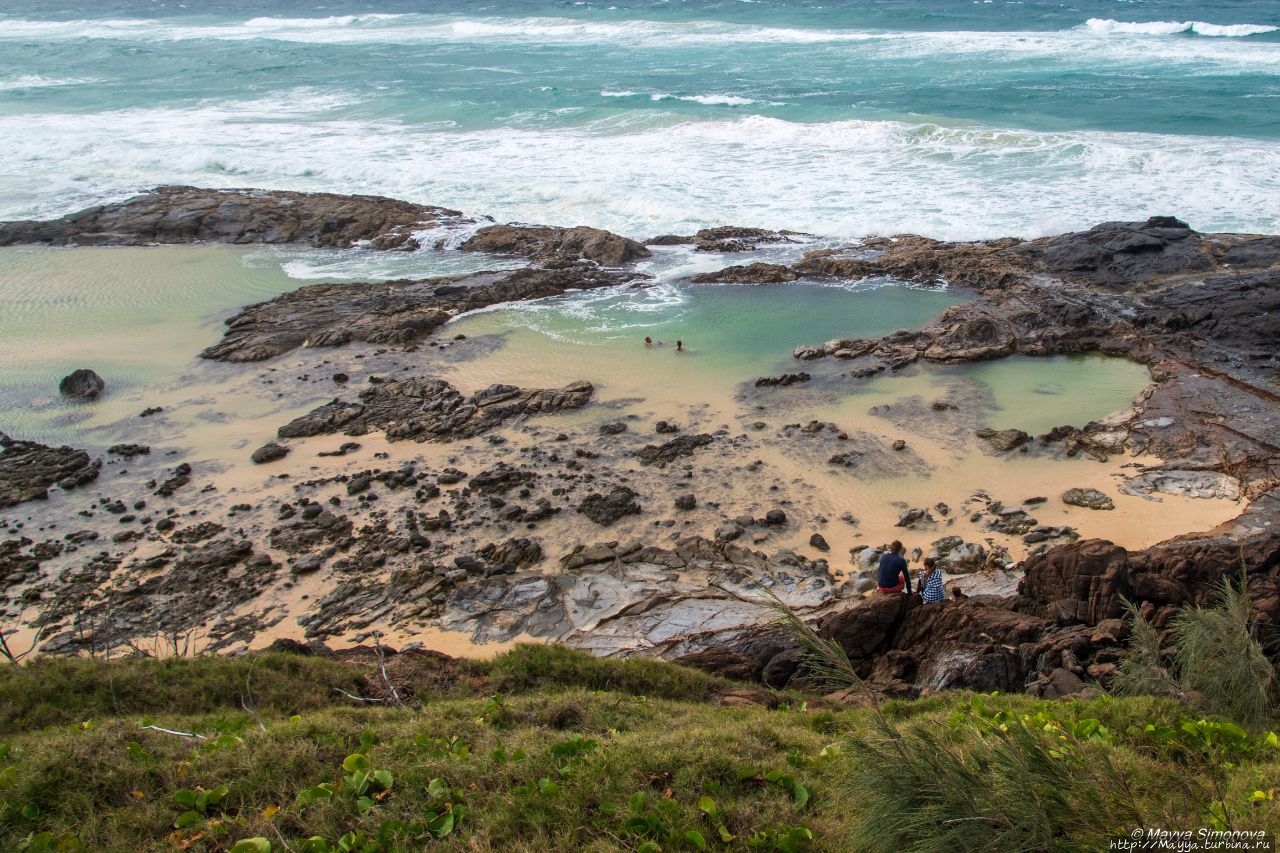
point(1087, 498)
point(83, 384)
point(913, 517)
point(661, 455)
point(269, 452)
point(606, 509)
point(1004, 440)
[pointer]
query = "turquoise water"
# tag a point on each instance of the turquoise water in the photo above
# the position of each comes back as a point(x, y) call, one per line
point(731, 333)
point(843, 118)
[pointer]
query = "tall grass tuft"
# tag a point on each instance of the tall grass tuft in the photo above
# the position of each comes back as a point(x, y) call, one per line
point(1216, 659)
point(827, 666)
point(1141, 671)
point(1001, 788)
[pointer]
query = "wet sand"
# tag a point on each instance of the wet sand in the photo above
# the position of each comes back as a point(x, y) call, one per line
point(216, 414)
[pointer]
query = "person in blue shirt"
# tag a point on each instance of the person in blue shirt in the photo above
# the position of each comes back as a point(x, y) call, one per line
point(931, 582)
point(893, 575)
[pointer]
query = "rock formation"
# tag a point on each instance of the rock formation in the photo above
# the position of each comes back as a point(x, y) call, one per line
point(82, 383)
point(395, 312)
point(425, 409)
point(546, 244)
point(28, 469)
point(193, 214)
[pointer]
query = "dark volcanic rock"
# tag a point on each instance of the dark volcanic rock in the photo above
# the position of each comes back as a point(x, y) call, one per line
point(322, 528)
point(545, 243)
point(128, 451)
point(196, 533)
point(514, 552)
point(1004, 440)
point(727, 238)
point(501, 479)
point(425, 409)
point(269, 452)
point(1121, 252)
point(782, 380)
point(82, 383)
point(1088, 498)
point(394, 312)
point(662, 455)
point(180, 477)
point(606, 509)
point(192, 214)
point(28, 469)
point(757, 273)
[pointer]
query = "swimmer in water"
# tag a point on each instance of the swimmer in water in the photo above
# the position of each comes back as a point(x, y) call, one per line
point(679, 346)
point(648, 341)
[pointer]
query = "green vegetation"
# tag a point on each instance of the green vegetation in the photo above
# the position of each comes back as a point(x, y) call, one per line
point(1214, 659)
point(545, 748)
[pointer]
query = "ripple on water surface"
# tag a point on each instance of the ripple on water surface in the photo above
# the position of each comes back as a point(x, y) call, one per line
point(138, 316)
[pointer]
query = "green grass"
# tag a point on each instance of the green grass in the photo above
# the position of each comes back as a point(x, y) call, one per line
point(547, 749)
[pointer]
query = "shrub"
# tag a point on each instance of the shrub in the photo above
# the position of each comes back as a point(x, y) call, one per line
point(1216, 660)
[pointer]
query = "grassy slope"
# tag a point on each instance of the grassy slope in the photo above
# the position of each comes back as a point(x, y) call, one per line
point(576, 754)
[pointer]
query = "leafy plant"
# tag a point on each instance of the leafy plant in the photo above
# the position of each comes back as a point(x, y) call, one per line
point(199, 805)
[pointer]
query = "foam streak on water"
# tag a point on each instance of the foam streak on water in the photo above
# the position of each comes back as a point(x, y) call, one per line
point(642, 116)
point(845, 178)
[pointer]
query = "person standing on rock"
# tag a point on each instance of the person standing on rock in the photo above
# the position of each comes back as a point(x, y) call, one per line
point(931, 582)
point(894, 575)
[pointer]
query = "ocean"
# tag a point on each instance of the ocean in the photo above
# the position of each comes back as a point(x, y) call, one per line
point(843, 118)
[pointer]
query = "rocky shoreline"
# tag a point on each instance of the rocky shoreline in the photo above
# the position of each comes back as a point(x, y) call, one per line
point(475, 541)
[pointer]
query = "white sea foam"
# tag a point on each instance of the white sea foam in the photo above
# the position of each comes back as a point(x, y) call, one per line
point(1090, 43)
point(717, 100)
point(710, 100)
point(36, 81)
point(1107, 26)
point(846, 178)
